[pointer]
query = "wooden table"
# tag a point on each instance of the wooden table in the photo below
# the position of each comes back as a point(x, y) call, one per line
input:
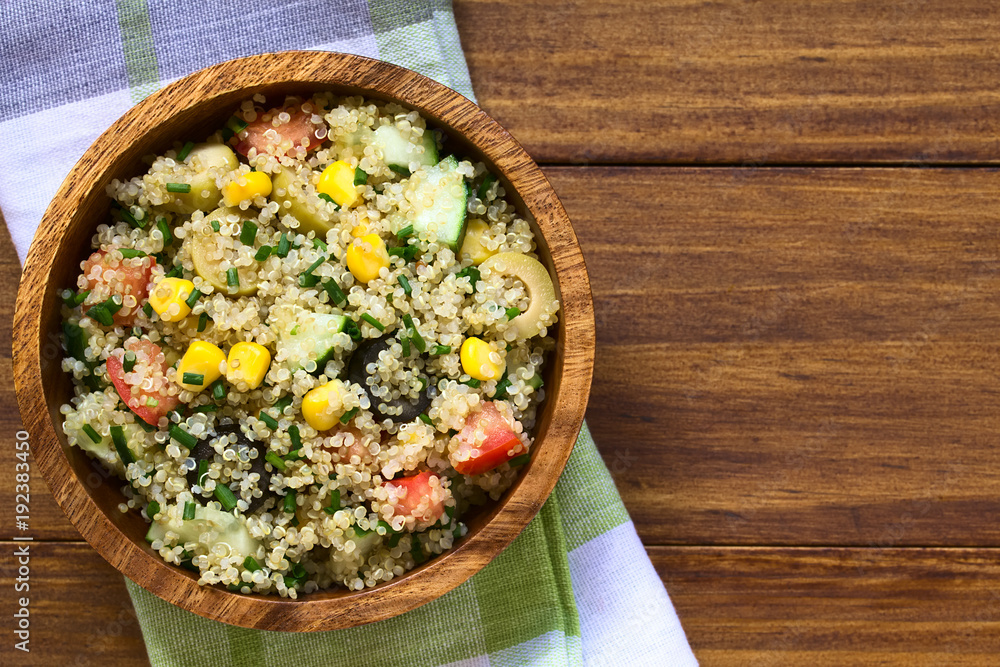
point(789, 213)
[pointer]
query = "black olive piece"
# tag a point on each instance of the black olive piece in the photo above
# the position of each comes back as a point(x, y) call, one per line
point(367, 353)
point(204, 451)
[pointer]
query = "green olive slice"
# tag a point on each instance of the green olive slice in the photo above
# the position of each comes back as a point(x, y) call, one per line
point(538, 283)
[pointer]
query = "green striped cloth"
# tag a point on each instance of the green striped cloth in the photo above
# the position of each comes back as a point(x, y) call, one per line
point(576, 587)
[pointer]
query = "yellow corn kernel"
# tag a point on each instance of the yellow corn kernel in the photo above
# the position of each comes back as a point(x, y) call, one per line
point(337, 182)
point(247, 362)
point(203, 359)
point(473, 246)
point(168, 293)
point(366, 257)
point(323, 406)
point(476, 360)
point(247, 186)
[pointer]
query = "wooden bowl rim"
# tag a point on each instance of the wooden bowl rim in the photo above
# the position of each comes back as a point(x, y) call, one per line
point(312, 612)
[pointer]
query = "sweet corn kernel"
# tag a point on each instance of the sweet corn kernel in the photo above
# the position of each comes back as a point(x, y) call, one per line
point(170, 292)
point(366, 257)
point(204, 359)
point(476, 360)
point(247, 186)
point(473, 246)
point(247, 362)
point(337, 182)
point(323, 406)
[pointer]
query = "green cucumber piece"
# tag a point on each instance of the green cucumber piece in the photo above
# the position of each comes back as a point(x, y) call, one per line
point(398, 151)
point(311, 336)
point(226, 528)
point(445, 217)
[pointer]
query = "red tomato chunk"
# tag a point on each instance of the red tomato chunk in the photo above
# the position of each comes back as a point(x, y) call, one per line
point(487, 441)
point(153, 401)
point(129, 279)
point(419, 496)
point(299, 131)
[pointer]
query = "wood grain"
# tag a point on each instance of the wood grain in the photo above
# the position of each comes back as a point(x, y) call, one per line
point(196, 103)
point(739, 606)
point(739, 82)
point(791, 356)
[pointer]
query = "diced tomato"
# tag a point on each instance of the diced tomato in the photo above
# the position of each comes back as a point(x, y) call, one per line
point(148, 403)
point(128, 278)
point(416, 496)
point(341, 450)
point(486, 442)
point(299, 130)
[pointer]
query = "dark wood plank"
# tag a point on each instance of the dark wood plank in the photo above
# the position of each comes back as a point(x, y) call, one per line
point(796, 356)
point(761, 606)
point(80, 611)
point(733, 81)
point(47, 521)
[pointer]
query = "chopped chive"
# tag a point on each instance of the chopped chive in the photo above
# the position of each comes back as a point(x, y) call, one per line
point(283, 403)
point(405, 342)
point(501, 390)
point(193, 378)
point(121, 446)
point(72, 299)
point(128, 362)
point(151, 402)
point(333, 289)
point(405, 284)
point(349, 415)
point(360, 176)
point(315, 265)
point(182, 188)
point(225, 496)
point(535, 381)
point(372, 321)
point(423, 383)
point(168, 237)
point(205, 408)
point(404, 232)
point(406, 252)
point(232, 278)
point(283, 246)
point(91, 433)
point(418, 341)
point(202, 322)
point(472, 273)
point(185, 151)
point(334, 502)
point(235, 124)
point(129, 253)
point(100, 313)
point(352, 330)
point(519, 460)
point(175, 272)
point(193, 298)
point(216, 226)
point(290, 502)
point(308, 280)
point(484, 187)
point(320, 244)
point(426, 419)
point(327, 198)
point(263, 253)
point(202, 471)
point(394, 540)
point(474, 383)
point(112, 305)
point(417, 551)
point(218, 390)
point(189, 508)
point(137, 332)
point(441, 349)
point(182, 436)
point(275, 461)
point(293, 435)
point(131, 219)
point(250, 563)
point(513, 312)
point(152, 509)
point(270, 421)
point(248, 232)
point(402, 171)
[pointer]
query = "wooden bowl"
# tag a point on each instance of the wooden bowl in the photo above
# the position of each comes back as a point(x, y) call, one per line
point(193, 107)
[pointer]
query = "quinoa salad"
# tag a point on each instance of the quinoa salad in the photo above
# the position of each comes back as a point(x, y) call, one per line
point(308, 345)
